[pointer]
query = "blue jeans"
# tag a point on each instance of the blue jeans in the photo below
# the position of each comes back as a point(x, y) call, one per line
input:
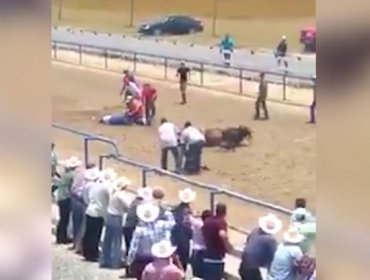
point(78, 213)
point(111, 256)
point(214, 266)
point(197, 263)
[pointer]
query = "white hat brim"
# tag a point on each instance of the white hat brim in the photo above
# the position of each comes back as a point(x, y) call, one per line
point(262, 224)
point(163, 255)
point(141, 210)
point(288, 238)
point(187, 196)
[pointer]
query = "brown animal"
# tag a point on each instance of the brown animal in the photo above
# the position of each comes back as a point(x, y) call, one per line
point(228, 138)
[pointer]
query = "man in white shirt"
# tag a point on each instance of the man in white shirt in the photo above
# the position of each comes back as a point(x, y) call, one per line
point(168, 140)
point(193, 140)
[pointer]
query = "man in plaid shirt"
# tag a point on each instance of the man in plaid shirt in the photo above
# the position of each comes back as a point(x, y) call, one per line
point(151, 230)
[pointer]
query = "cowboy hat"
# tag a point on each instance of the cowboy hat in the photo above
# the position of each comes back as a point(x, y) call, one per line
point(72, 162)
point(92, 174)
point(292, 235)
point(270, 224)
point(187, 195)
point(108, 174)
point(163, 249)
point(145, 193)
point(122, 183)
point(147, 212)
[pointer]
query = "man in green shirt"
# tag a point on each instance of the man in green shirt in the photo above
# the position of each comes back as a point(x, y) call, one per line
point(63, 199)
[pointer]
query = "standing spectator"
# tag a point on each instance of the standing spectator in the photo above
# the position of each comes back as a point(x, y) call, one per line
point(199, 246)
point(217, 244)
point(261, 98)
point(112, 244)
point(149, 98)
point(96, 212)
point(183, 73)
point(281, 51)
point(260, 248)
point(194, 140)
point(158, 196)
point(300, 211)
point(78, 206)
point(150, 231)
point(168, 138)
point(313, 105)
point(227, 48)
point(162, 267)
point(64, 199)
point(182, 231)
point(287, 257)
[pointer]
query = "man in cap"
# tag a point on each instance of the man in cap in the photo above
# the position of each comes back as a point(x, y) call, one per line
point(183, 73)
point(64, 199)
point(149, 231)
point(261, 98)
point(260, 248)
point(163, 267)
point(281, 51)
point(287, 256)
point(194, 140)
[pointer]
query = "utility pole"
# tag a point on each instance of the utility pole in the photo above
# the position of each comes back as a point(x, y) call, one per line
point(60, 10)
point(214, 17)
point(132, 13)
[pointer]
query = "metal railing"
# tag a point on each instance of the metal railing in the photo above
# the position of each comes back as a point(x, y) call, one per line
point(212, 190)
point(239, 77)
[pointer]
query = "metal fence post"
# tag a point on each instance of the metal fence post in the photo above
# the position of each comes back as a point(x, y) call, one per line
point(135, 58)
point(80, 54)
point(212, 201)
point(101, 162)
point(240, 81)
point(143, 178)
point(86, 151)
point(166, 68)
point(55, 51)
point(284, 85)
point(201, 74)
point(106, 58)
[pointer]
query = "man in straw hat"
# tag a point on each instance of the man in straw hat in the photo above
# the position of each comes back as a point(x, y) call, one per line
point(163, 266)
point(150, 231)
point(260, 247)
point(64, 200)
point(112, 243)
point(96, 212)
point(287, 256)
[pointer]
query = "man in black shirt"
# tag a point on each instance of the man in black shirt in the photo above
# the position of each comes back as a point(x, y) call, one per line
point(281, 51)
point(183, 73)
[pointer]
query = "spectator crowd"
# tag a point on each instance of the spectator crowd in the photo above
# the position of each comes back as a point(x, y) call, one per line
point(151, 241)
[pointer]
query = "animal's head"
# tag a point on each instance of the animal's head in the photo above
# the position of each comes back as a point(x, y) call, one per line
point(245, 131)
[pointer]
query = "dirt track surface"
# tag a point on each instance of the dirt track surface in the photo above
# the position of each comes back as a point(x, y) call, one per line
point(277, 167)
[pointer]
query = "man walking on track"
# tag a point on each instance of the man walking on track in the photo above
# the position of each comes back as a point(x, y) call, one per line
point(183, 73)
point(261, 98)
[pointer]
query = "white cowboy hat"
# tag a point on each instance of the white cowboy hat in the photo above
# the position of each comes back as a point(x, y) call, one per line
point(92, 174)
point(145, 193)
point(122, 183)
point(187, 195)
point(292, 235)
point(147, 212)
point(129, 99)
point(72, 162)
point(163, 249)
point(108, 174)
point(283, 37)
point(270, 224)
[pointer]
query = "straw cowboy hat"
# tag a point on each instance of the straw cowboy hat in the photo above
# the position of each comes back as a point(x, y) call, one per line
point(145, 193)
point(148, 212)
point(108, 174)
point(92, 174)
point(270, 224)
point(122, 183)
point(292, 235)
point(187, 195)
point(72, 162)
point(163, 249)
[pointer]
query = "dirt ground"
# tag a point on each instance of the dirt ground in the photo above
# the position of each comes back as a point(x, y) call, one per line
point(263, 22)
point(277, 167)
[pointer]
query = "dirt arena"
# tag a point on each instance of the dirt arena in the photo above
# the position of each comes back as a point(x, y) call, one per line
point(277, 167)
point(263, 21)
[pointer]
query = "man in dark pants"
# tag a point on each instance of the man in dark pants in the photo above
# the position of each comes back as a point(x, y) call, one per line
point(183, 72)
point(193, 139)
point(261, 98)
point(281, 51)
point(168, 137)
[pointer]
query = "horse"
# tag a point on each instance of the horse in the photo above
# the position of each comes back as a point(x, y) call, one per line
point(228, 138)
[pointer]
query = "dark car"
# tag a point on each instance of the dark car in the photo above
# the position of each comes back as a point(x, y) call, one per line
point(308, 39)
point(173, 25)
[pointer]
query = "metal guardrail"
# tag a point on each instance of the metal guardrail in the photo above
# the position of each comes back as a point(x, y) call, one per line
point(211, 189)
point(283, 78)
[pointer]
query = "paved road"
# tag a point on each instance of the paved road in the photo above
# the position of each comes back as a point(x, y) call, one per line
point(242, 58)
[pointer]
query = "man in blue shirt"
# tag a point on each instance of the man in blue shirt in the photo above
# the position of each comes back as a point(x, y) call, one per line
point(227, 48)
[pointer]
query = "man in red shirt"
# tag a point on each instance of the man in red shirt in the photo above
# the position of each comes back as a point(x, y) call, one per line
point(149, 94)
point(135, 112)
point(217, 244)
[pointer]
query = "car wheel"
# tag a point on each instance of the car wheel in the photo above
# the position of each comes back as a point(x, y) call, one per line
point(157, 32)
